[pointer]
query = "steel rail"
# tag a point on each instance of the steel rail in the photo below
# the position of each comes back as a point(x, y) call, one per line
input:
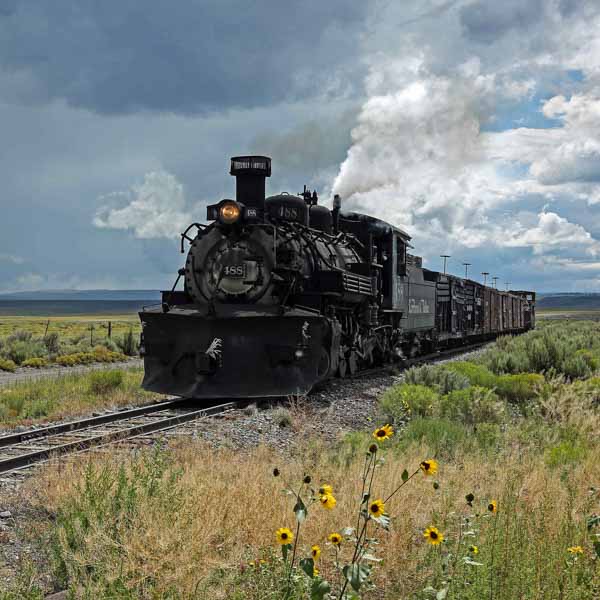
point(25, 436)
point(24, 460)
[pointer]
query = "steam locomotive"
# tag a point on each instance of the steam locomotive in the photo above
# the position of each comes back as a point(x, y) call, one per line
point(281, 293)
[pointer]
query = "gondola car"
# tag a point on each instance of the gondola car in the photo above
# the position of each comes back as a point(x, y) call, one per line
point(280, 293)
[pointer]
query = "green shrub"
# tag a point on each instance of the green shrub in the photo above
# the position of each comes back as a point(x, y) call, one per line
point(19, 335)
point(476, 374)
point(519, 388)
point(443, 380)
point(109, 344)
point(19, 350)
point(576, 367)
point(592, 360)
point(102, 382)
point(500, 362)
point(35, 363)
point(99, 354)
point(472, 406)
point(52, 343)
point(7, 365)
point(102, 354)
point(128, 344)
point(408, 399)
point(442, 437)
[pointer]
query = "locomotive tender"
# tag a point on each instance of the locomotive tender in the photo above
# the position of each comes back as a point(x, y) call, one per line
point(281, 293)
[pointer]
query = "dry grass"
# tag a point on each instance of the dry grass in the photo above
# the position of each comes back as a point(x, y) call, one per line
point(202, 513)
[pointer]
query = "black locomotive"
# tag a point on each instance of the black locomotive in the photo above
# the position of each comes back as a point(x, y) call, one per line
point(281, 293)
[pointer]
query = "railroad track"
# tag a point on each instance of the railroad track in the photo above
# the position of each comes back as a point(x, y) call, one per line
point(419, 360)
point(21, 450)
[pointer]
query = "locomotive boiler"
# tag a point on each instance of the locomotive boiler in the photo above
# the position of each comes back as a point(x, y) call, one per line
point(280, 293)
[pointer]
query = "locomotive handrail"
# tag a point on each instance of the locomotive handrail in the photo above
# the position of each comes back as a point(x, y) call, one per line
point(184, 235)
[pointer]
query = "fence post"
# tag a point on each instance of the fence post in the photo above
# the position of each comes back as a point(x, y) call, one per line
point(109, 329)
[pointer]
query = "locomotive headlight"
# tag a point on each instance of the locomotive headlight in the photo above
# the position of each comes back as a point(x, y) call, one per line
point(229, 212)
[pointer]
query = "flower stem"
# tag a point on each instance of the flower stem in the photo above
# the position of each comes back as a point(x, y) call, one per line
point(287, 591)
point(492, 559)
point(398, 488)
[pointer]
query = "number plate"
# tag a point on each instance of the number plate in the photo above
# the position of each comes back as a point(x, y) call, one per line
point(235, 271)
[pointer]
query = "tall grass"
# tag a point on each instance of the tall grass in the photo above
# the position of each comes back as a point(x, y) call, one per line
point(72, 395)
point(188, 522)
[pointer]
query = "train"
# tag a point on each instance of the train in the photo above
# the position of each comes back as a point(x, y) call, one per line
point(281, 293)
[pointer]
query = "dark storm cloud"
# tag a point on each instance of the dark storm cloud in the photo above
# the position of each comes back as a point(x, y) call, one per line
point(486, 22)
point(183, 57)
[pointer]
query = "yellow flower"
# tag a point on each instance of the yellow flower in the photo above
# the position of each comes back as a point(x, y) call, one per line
point(325, 490)
point(433, 535)
point(383, 433)
point(377, 508)
point(335, 539)
point(575, 550)
point(284, 536)
point(315, 552)
point(493, 506)
point(328, 501)
point(474, 549)
point(429, 467)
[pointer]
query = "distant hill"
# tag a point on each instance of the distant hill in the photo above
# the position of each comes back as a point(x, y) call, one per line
point(570, 301)
point(85, 295)
point(76, 302)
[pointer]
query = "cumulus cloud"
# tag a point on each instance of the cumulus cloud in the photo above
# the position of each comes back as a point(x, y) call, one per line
point(428, 152)
point(551, 231)
point(156, 208)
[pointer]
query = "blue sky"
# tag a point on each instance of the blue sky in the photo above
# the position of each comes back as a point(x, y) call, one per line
point(473, 124)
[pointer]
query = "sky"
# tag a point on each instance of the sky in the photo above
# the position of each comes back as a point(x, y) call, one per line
point(472, 124)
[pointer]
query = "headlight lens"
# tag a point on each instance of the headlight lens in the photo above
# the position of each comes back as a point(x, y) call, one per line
point(229, 213)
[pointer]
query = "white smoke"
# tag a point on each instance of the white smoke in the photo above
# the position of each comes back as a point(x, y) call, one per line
point(420, 156)
point(156, 208)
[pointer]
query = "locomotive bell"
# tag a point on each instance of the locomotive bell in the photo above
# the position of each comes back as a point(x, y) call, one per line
point(250, 173)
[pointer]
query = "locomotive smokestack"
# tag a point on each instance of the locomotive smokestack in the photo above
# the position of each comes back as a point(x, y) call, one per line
point(250, 173)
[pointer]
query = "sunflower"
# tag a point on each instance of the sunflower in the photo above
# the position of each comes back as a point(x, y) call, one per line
point(575, 550)
point(473, 549)
point(433, 536)
point(284, 536)
point(325, 490)
point(383, 433)
point(429, 467)
point(315, 552)
point(377, 508)
point(328, 501)
point(493, 506)
point(335, 539)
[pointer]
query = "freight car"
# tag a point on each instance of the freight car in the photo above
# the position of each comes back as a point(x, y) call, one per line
point(280, 293)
